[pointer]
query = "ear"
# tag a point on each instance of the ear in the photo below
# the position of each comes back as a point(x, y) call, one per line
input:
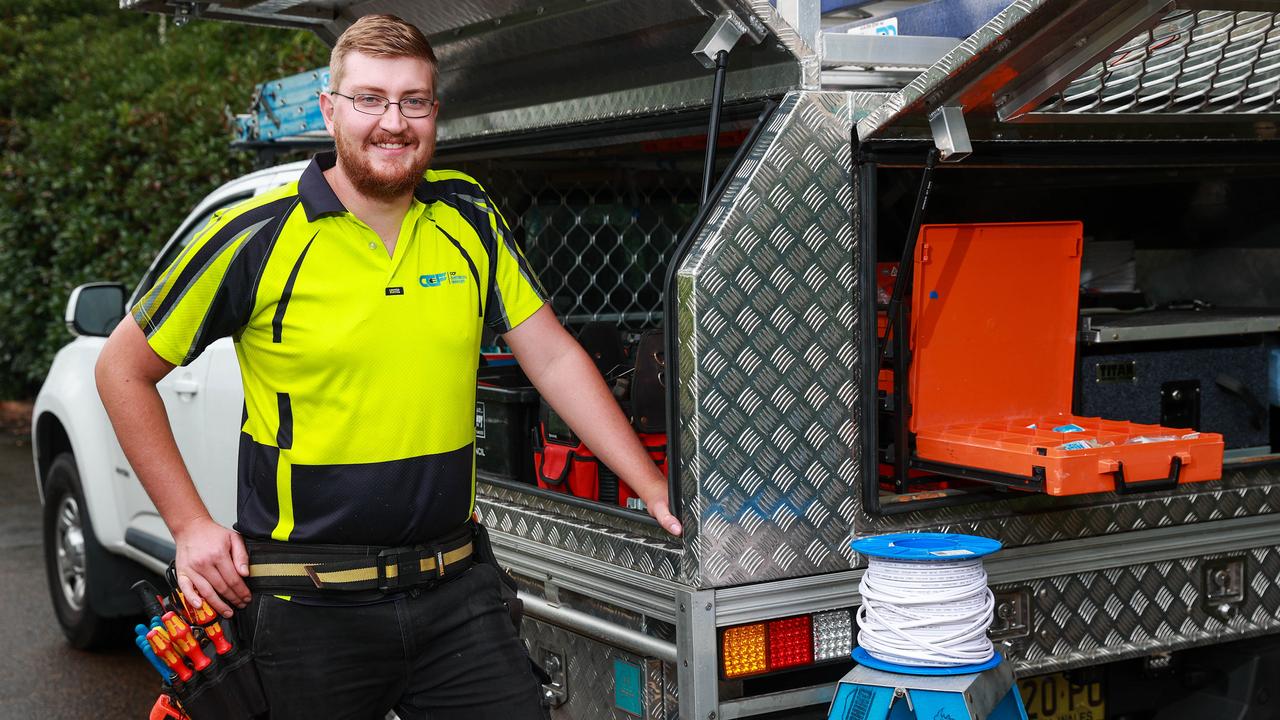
point(326, 110)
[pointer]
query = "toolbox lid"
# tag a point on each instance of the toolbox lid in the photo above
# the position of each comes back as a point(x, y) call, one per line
point(993, 321)
point(512, 66)
point(1099, 70)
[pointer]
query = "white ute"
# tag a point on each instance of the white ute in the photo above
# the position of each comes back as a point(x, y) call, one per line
point(101, 532)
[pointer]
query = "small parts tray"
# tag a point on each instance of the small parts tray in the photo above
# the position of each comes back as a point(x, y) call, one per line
point(1027, 454)
point(993, 337)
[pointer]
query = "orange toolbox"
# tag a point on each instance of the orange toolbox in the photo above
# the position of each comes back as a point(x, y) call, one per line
point(993, 339)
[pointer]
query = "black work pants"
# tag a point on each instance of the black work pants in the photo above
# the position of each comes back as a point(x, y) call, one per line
point(442, 653)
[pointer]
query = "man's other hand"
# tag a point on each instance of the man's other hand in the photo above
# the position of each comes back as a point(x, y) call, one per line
point(212, 563)
point(661, 511)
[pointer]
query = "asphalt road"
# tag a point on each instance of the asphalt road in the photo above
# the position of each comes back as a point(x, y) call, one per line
point(40, 676)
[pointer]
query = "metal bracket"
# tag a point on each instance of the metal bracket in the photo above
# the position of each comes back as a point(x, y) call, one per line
point(725, 32)
point(1224, 586)
point(950, 134)
point(1012, 615)
point(556, 691)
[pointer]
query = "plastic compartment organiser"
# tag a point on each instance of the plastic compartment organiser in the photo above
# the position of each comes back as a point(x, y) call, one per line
point(993, 331)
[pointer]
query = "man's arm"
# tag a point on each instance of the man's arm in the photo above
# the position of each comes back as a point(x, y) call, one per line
point(569, 381)
point(211, 559)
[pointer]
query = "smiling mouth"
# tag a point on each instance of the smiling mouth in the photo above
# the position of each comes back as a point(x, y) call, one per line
point(391, 145)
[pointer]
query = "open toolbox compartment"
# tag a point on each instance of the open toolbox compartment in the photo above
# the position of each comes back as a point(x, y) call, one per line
point(993, 342)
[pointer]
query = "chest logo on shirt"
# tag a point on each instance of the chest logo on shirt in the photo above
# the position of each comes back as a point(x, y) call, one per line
point(444, 278)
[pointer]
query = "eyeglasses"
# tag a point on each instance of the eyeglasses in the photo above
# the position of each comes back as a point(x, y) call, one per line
point(410, 107)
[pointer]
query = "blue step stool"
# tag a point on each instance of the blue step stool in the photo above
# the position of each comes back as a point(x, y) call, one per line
point(867, 693)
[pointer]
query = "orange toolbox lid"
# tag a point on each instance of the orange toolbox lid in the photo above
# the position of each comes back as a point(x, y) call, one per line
point(993, 335)
point(993, 321)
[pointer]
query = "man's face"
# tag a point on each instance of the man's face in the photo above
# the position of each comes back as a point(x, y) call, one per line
point(385, 155)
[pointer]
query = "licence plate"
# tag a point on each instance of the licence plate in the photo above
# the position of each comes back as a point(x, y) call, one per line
point(1055, 697)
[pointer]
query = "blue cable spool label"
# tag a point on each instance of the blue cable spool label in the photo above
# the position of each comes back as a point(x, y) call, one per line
point(628, 687)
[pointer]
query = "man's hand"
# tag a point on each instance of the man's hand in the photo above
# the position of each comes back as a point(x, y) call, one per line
point(212, 563)
point(568, 379)
point(661, 511)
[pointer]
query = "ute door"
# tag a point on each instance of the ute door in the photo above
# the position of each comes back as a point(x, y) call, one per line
point(185, 394)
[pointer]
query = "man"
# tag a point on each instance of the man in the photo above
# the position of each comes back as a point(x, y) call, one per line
point(356, 297)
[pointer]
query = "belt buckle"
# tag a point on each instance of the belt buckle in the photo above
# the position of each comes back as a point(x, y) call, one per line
point(406, 562)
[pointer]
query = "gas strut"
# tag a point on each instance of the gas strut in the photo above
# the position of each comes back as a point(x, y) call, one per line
point(713, 126)
point(908, 252)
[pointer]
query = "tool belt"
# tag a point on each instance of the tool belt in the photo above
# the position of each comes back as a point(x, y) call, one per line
point(289, 568)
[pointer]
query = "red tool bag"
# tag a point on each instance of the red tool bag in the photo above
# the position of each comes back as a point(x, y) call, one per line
point(564, 464)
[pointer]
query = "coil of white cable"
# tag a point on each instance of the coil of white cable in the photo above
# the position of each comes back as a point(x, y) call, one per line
point(925, 600)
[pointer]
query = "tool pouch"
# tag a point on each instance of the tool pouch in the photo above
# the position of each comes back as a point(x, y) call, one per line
point(227, 690)
point(507, 588)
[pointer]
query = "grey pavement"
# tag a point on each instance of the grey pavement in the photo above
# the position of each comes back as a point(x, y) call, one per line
point(40, 675)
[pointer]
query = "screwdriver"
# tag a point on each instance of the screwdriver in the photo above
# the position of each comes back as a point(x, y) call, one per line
point(164, 650)
point(145, 647)
point(205, 614)
point(186, 643)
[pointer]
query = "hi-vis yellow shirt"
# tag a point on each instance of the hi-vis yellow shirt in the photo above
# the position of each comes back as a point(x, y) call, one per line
point(359, 368)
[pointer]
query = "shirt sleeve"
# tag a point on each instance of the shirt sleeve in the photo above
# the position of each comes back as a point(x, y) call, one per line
point(206, 293)
point(515, 293)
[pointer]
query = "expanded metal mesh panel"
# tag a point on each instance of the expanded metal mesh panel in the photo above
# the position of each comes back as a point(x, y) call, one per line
point(598, 232)
point(1207, 62)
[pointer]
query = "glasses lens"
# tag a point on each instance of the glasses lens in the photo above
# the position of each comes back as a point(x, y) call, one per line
point(372, 104)
point(416, 107)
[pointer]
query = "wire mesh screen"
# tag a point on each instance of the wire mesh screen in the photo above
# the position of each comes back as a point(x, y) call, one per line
point(598, 233)
point(1206, 62)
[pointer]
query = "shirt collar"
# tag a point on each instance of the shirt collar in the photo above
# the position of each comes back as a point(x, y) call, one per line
point(318, 198)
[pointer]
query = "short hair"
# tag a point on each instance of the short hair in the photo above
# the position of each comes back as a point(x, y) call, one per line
point(381, 36)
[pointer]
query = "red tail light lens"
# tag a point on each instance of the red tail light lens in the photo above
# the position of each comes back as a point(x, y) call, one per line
point(790, 642)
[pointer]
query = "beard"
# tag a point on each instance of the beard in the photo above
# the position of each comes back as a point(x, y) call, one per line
point(381, 184)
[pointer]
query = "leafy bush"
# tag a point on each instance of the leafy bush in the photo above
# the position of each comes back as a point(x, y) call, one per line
point(112, 127)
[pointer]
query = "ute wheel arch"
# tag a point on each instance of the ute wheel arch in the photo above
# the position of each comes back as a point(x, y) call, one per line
point(51, 440)
point(88, 586)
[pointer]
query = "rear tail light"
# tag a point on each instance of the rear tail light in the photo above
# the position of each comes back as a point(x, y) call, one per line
point(786, 643)
point(832, 635)
point(790, 642)
point(743, 650)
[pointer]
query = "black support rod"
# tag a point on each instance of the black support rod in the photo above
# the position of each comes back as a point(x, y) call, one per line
point(713, 126)
point(908, 251)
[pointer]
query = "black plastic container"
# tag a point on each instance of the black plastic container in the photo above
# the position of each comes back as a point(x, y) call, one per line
point(506, 416)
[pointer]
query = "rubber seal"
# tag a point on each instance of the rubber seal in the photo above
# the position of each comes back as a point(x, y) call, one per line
point(862, 657)
point(934, 547)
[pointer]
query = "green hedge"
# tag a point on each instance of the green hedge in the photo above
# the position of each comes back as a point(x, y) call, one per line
point(112, 127)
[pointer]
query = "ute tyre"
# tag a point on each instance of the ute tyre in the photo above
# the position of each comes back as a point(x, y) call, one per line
point(69, 544)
